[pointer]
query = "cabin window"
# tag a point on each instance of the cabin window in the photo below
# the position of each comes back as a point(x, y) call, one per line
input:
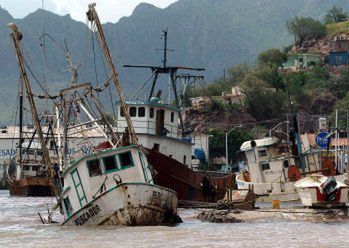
point(265, 166)
point(31, 152)
point(110, 164)
point(35, 168)
point(262, 153)
point(26, 167)
point(67, 206)
point(172, 117)
point(122, 114)
point(156, 147)
point(126, 160)
point(133, 111)
point(286, 164)
point(141, 112)
point(39, 152)
point(151, 113)
point(94, 168)
point(184, 159)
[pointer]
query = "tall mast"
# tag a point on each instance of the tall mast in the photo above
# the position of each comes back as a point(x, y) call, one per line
point(19, 168)
point(93, 17)
point(16, 37)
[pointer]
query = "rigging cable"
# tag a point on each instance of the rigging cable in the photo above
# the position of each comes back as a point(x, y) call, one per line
point(106, 74)
point(142, 86)
point(14, 114)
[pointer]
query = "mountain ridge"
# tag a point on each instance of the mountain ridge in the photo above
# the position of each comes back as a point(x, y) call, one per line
point(204, 33)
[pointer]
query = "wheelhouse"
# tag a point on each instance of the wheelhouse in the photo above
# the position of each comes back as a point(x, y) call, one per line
point(103, 171)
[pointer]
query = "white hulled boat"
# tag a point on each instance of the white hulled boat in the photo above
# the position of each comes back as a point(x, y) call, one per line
point(322, 191)
point(115, 187)
point(271, 169)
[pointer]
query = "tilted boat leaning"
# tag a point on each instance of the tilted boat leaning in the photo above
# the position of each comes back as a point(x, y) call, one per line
point(114, 184)
point(114, 187)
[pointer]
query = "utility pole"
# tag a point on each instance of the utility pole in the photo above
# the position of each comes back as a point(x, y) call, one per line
point(336, 135)
point(347, 155)
point(93, 18)
point(226, 143)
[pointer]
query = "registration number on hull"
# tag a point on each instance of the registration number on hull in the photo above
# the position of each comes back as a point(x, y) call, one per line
point(91, 212)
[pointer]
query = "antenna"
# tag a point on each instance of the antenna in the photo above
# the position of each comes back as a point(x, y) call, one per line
point(164, 36)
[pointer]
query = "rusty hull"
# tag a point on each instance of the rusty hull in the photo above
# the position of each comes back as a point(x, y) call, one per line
point(186, 182)
point(31, 186)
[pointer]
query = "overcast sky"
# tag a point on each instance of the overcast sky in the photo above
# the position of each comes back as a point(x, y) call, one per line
point(108, 10)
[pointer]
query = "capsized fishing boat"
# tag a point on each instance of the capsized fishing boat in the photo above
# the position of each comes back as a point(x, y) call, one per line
point(110, 186)
point(322, 191)
point(115, 187)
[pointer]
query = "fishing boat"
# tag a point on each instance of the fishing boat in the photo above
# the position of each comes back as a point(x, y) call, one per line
point(321, 191)
point(161, 130)
point(29, 170)
point(27, 174)
point(115, 187)
point(271, 169)
point(109, 186)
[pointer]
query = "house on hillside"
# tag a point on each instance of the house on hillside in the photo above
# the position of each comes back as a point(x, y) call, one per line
point(200, 101)
point(301, 60)
point(339, 53)
point(236, 96)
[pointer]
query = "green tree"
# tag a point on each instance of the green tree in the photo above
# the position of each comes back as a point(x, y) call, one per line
point(235, 140)
point(339, 87)
point(238, 72)
point(271, 57)
point(342, 106)
point(262, 102)
point(336, 14)
point(305, 28)
point(271, 76)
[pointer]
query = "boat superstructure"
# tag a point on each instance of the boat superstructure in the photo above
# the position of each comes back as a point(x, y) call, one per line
point(156, 126)
point(271, 169)
point(160, 128)
point(114, 187)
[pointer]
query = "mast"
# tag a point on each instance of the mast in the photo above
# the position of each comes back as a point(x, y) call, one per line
point(93, 17)
point(16, 37)
point(19, 168)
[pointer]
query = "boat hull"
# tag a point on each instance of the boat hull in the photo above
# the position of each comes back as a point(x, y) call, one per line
point(31, 186)
point(267, 192)
point(188, 184)
point(312, 195)
point(129, 204)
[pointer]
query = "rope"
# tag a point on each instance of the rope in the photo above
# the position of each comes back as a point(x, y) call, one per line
point(142, 86)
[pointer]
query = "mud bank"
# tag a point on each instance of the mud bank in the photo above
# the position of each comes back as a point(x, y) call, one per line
point(288, 215)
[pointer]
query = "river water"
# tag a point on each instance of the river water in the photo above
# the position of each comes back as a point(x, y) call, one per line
point(20, 226)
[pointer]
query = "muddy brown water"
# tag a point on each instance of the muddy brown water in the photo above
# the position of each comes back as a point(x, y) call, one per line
point(21, 227)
